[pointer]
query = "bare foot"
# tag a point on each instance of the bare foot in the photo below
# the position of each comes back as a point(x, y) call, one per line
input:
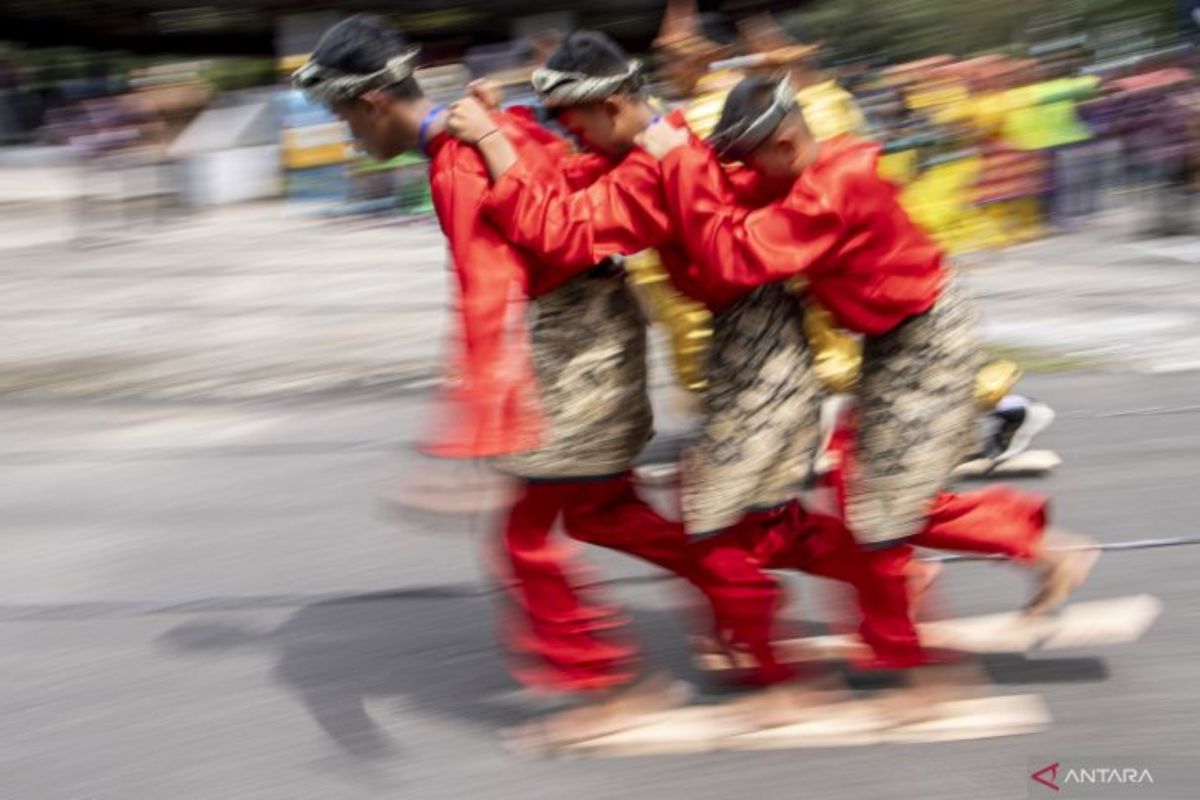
point(717, 649)
point(929, 686)
point(1063, 571)
point(615, 712)
point(789, 703)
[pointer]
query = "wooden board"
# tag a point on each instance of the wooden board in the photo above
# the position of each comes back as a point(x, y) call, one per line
point(1094, 623)
point(1031, 463)
point(699, 729)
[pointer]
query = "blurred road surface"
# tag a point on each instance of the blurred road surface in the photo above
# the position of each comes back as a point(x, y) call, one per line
point(203, 596)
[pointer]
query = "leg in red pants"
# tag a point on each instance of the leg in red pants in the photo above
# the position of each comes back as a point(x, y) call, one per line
point(823, 546)
point(997, 520)
point(1005, 522)
point(563, 642)
point(994, 521)
point(745, 600)
point(571, 640)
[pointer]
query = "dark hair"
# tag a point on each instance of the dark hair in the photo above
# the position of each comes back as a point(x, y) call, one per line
point(589, 52)
point(362, 44)
point(748, 100)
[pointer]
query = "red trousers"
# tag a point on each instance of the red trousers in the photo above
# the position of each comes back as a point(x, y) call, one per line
point(571, 642)
point(998, 520)
point(566, 640)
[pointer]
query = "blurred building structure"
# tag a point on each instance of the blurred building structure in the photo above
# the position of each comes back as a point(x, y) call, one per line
point(265, 27)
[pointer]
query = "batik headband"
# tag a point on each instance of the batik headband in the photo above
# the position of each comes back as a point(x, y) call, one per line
point(559, 89)
point(741, 138)
point(328, 85)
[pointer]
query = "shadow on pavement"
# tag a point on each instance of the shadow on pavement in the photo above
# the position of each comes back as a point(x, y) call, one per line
point(438, 654)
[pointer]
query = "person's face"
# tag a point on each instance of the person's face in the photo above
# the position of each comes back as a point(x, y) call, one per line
point(377, 132)
point(606, 127)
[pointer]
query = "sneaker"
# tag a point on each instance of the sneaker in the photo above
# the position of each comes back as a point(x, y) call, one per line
point(1016, 429)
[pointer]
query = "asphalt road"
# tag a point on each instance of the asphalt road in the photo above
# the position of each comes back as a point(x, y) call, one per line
point(203, 601)
point(203, 595)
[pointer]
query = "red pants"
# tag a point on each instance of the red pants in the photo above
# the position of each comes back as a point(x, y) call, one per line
point(570, 642)
point(997, 521)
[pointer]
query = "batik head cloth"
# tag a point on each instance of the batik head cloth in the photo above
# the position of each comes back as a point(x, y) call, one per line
point(561, 89)
point(738, 140)
point(328, 85)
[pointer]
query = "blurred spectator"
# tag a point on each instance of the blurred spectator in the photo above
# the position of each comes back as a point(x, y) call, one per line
point(1044, 118)
point(1158, 124)
point(829, 110)
point(1013, 179)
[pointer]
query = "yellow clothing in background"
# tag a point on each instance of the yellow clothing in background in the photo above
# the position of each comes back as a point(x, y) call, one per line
point(1043, 115)
point(829, 111)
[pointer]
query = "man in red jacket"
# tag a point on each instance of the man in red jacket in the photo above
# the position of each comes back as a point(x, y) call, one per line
point(760, 399)
point(610, 202)
point(586, 345)
point(833, 222)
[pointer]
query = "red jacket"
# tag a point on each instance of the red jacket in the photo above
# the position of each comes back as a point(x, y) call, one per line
point(840, 226)
point(489, 407)
point(575, 211)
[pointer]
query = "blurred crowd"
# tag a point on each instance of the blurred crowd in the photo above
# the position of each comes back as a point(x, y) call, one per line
point(991, 150)
point(995, 150)
point(116, 128)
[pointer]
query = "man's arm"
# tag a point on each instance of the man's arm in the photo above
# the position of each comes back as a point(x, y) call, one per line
point(738, 246)
point(492, 405)
point(570, 212)
point(619, 213)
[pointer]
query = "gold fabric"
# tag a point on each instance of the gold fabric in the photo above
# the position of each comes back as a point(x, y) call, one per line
point(688, 323)
point(995, 381)
point(589, 355)
point(761, 412)
point(837, 354)
point(916, 419)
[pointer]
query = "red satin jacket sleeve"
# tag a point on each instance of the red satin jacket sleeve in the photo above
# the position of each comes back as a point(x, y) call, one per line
point(583, 169)
point(523, 121)
point(747, 187)
point(572, 229)
point(579, 169)
point(490, 405)
point(736, 247)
